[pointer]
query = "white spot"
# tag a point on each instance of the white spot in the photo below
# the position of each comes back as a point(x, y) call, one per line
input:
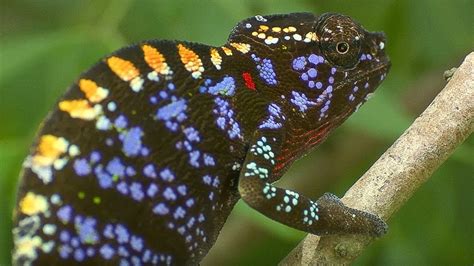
point(153, 76)
point(260, 18)
point(73, 150)
point(103, 123)
point(59, 163)
point(297, 37)
point(136, 84)
point(248, 25)
point(112, 106)
point(288, 208)
point(381, 45)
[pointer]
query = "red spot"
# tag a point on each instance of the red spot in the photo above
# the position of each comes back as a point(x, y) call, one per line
point(248, 80)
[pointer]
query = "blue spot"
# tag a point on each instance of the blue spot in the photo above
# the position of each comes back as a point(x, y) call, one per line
point(207, 179)
point(299, 63)
point(82, 167)
point(169, 194)
point(179, 213)
point(115, 167)
point(275, 118)
point(105, 179)
point(122, 233)
point(122, 187)
point(161, 209)
point(64, 213)
point(123, 252)
point(95, 157)
point(225, 87)
point(79, 255)
point(120, 122)
point(130, 171)
point(132, 142)
point(107, 252)
point(86, 230)
point(265, 69)
point(193, 158)
point(312, 72)
point(136, 243)
point(301, 101)
point(167, 175)
point(65, 251)
point(149, 171)
point(182, 189)
point(136, 191)
point(190, 203)
point(64, 236)
point(192, 134)
point(173, 113)
point(152, 190)
point(108, 231)
point(225, 118)
point(209, 160)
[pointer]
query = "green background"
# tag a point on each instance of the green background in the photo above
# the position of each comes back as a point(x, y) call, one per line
point(45, 45)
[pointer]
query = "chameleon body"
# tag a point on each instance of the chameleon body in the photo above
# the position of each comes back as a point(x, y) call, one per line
point(143, 158)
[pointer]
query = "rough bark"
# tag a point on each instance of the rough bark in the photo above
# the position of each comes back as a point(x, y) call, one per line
point(401, 170)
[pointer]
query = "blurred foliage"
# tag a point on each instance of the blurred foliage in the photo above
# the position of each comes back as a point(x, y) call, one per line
point(45, 45)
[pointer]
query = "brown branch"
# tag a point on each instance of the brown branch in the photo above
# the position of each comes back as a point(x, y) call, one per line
point(401, 170)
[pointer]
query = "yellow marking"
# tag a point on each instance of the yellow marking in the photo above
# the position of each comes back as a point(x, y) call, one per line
point(49, 149)
point(254, 33)
point(80, 109)
point(156, 60)
point(191, 61)
point(311, 36)
point(241, 47)
point(227, 51)
point(263, 28)
point(291, 29)
point(33, 204)
point(261, 35)
point(276, 29)
point(216, 58)
point(93, 92)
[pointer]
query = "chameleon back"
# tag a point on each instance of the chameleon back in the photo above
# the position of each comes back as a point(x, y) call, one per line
point(139, 161)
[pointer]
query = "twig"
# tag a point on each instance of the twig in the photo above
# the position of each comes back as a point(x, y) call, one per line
point(401, 170)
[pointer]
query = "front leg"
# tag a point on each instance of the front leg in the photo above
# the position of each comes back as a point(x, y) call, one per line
point(325, 216)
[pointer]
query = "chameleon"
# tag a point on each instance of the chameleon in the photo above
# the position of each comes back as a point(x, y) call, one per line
point(141, 161)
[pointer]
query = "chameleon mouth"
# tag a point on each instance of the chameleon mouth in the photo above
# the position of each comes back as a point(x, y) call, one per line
point(380, 70)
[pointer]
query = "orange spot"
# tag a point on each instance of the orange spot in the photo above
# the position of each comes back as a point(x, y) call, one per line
point(93, 92)
point(49, 149)
point(191, 61)
point(79, 109)
point(123, 68)
point(155, 60)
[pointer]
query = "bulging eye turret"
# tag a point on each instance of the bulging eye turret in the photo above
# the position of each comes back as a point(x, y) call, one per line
point(340, 40)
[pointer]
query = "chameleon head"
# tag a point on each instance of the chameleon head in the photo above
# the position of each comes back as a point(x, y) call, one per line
point(326, 66)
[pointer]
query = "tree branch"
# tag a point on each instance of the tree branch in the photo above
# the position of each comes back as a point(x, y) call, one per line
point(401, 170)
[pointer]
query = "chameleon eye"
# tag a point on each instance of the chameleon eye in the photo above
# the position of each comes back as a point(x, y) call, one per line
point(340, 40)
point(342, 47)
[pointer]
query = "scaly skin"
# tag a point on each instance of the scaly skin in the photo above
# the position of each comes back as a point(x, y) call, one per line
point(144, 157)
